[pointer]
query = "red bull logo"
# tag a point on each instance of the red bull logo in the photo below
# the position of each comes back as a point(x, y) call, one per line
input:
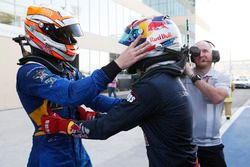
point(156, 25)
point(160, 37)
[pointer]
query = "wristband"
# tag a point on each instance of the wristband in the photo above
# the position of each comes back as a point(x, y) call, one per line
point(195, 77)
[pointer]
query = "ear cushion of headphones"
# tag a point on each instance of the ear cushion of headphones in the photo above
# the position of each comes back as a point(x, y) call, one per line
point(215, 53)
point(216, 56)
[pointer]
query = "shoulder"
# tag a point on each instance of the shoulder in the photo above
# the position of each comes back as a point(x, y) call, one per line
point(220, 76)
point(31, 70)
point(161, 80)
point(216, 74)
point(222, 80)
point(28, 67)
point(155, 84)
point(31, 65)
point(146, 85)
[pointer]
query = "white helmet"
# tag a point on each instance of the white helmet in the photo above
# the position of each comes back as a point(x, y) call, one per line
point(52, 30)
point(160, 31)
point(165, 39)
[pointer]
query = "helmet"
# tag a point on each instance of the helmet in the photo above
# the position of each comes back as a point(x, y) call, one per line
point(165, 39)
point(52, 30)
point(160, 31)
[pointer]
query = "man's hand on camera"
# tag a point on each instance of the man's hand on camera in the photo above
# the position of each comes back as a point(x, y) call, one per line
point(188, 70)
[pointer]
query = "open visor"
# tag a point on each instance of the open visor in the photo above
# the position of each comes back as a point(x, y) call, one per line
point(66, 34)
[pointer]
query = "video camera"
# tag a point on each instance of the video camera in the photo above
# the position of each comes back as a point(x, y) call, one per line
point(194, 52)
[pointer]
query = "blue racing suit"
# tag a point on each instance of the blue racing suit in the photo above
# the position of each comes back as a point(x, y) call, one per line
point(39, 89)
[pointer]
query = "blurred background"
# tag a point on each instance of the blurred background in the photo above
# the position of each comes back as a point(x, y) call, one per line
point(223, 22)
point(103, 21)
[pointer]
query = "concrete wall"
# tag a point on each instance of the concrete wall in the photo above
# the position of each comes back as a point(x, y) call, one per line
point(9, 55)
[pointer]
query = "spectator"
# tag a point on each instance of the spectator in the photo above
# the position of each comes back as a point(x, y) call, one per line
point(112, 88)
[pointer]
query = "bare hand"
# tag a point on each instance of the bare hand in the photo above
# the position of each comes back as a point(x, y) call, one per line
point(132, 54)
point(188, 70)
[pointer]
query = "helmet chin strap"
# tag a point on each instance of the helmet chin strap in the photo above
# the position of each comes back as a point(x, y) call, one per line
point(169, 56)
point(159, 47)
point(175, 69)
point(143, 64)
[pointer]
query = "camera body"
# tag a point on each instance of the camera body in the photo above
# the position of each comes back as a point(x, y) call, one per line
point(195, 52)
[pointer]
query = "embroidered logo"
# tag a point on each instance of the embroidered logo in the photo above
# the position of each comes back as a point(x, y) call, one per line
point(131, 97)
point(44, 77)
point(50, 81)
point(40, 74)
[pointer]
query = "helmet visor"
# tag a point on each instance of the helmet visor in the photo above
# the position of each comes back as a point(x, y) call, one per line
point(66, 34)
point(130, 35)
point(74, 30)
point(125, 39)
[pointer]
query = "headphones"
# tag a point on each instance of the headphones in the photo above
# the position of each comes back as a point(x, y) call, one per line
point(195, 52)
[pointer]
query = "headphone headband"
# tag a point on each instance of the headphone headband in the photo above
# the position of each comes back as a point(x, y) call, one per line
point(210, 43)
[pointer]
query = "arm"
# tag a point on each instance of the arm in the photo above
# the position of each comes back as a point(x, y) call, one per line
point(124, 116)
point(36, 80)
point(103, 103)
point(215, 93)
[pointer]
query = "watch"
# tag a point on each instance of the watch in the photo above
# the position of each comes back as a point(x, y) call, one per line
point(195, 77)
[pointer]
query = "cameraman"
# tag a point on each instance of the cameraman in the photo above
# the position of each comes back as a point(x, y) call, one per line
point(208, 88)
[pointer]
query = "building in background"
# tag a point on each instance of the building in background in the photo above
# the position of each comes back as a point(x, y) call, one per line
point(103, 22)
point(182, 12)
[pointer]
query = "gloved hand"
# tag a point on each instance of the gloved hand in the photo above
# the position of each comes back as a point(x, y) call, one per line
point(86, 115)
point(53, 123)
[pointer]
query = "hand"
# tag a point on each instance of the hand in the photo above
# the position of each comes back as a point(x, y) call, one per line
point(132, 54)
point(86, 115)
point(188, 70)
point(55, 124)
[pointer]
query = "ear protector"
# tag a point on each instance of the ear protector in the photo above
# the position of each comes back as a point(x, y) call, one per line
point(195, 52)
